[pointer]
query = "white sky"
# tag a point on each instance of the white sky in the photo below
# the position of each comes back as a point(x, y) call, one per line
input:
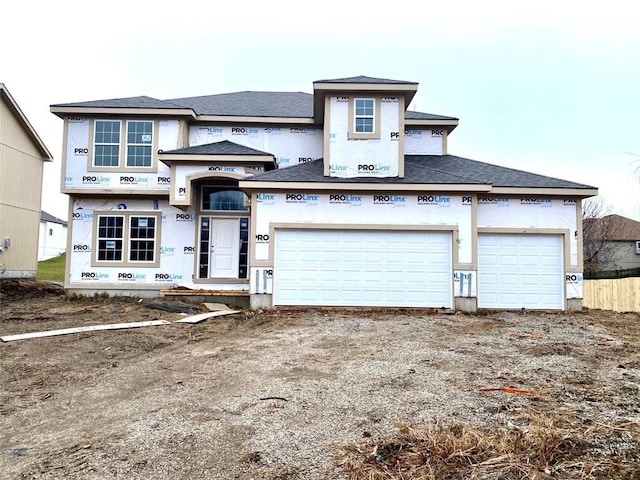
point(548, 87)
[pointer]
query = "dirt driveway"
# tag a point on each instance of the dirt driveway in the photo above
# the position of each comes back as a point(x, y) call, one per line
point(276, 395)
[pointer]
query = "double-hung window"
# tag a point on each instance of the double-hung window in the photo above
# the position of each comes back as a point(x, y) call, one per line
point(139, 138)
point(127, 238)
point(106, 147)
point(125, 145)
point(364, 118)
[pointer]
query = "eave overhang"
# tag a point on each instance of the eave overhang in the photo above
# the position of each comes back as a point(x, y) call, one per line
point(322, 89)
point(449, 124)
point(541, 191)
point(327, 186)
point(257, 120)
point(170, 158)
point(63, 112)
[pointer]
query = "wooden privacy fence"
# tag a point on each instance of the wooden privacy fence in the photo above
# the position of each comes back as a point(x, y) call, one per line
point(619, 295)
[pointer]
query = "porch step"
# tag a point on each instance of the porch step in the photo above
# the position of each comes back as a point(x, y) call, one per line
point(208, 293)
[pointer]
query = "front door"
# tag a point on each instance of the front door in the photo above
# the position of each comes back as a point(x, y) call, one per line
point(223, 247)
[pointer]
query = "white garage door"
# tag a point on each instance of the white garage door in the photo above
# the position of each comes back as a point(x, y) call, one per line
point(516, 271)
point(362, 268)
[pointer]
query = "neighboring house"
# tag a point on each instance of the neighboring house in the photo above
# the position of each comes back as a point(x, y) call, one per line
point(22, 157)
point(341, 197)
point(53, 236)
point(611, 244)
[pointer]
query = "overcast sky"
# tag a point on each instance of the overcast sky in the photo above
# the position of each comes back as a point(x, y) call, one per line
point(548, 87)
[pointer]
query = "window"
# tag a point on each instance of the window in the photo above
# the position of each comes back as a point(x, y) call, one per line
point(51, 232)
point(106, 150)
point(638, 247)
point(364, 115)
point(364, 118)
point(214, 198)
point(110, 238)
point(139, 136)
point(127, 239)
point(109, 149)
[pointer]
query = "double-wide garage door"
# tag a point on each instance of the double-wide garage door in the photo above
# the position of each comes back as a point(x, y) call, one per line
point(520, 271)
point(363, 268)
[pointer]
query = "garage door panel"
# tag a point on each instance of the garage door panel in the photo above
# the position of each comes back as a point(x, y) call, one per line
point(520, 271)
point(363, 268)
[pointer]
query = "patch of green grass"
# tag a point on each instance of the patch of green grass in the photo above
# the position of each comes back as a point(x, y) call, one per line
point(52, 269)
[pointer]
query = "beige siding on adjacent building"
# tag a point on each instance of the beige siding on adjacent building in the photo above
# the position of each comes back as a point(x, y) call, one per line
point(21, 167)
point(22, 256)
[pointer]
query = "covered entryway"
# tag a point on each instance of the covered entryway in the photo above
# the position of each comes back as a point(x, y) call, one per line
point(363, 268)
point(520, 271)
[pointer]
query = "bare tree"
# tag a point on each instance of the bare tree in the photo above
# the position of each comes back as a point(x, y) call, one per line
point(599, 229)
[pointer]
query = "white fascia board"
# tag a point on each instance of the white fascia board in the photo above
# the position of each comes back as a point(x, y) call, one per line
point(162, 112)
point(267, 120)
point(430, 122)
point(169, 158)
point(433, 187)
point(563, 192)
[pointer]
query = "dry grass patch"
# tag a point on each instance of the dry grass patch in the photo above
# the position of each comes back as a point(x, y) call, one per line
point(534, 445)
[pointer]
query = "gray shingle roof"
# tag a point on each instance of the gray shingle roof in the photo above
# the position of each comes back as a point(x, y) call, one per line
point(225, 147)
point(252, 104)
point(237, 104)
point(128, 102)
point(412, 115)
point(428, 169)
point(365, 79)
point(47, 217)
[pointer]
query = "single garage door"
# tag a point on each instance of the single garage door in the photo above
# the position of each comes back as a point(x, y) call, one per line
point(520, 271)
point(362, 268)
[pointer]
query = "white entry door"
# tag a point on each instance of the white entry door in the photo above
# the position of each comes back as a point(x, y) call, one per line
point(225, 248)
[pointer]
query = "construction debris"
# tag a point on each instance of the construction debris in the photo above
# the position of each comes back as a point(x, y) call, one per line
point(91, 328)
point(172, 307)
point(203, 316)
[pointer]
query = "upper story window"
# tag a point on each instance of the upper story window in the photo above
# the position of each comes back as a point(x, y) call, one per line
point(111, 152)
point(139, 137)
point(364, 117)
point(364, 120)
point(106, 149)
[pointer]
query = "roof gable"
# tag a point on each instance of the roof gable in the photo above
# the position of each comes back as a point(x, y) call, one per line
point(26, 125)
point(224, 147)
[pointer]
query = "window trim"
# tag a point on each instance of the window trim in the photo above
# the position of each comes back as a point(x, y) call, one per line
point(122, 150)
point(352, 134)
point(126, 239)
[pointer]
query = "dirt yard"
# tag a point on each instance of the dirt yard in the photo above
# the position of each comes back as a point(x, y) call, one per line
point(278, 395)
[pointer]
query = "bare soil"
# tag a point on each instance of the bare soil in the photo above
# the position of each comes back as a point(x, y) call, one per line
point(279, 394)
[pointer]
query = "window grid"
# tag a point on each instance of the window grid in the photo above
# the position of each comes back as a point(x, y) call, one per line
point(139, 139)
point(142, 242)
point(364, 115)
point(132, 237)
point(107, 143)
point(110, 238)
